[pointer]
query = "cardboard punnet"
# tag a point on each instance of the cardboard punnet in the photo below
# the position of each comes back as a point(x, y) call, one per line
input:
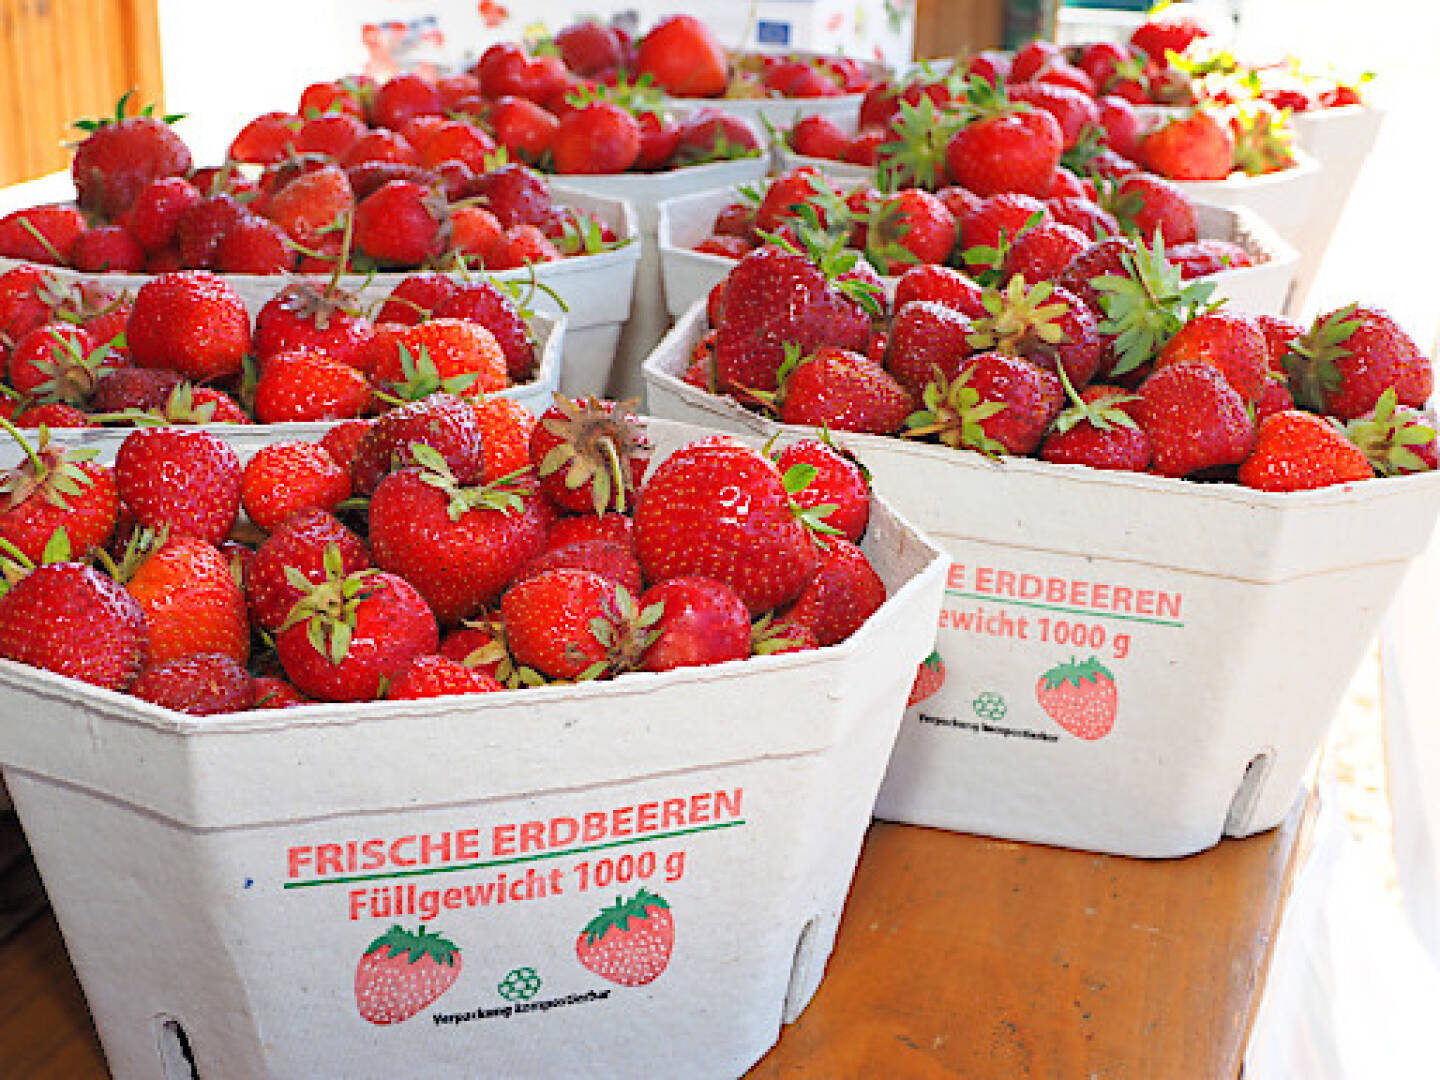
point(648, 319)
point(689, 275)
point(223, 876)
point(594, 289)
point(1229, 622)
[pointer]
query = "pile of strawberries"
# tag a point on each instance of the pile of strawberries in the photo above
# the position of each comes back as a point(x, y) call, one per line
point(144, 208)
point(430, 551)
point(990, 238)
point(184, 349)
point(1119, 363)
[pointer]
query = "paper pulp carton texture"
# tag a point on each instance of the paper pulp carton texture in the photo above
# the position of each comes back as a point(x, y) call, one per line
point(689, 275)
point(224, 876)
point(648, 319)
point(592, 291)
point(1214, 629)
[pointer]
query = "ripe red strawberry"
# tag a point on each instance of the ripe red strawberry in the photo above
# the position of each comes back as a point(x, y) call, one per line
point(59, 361)
point(107, 249)
point(609, 559)
point(122, 154)
point(486, 303)
point(191, 601)
point(612, 527)
point(26, 295)
point(1353, 355)
point(402, 223)
point(306, 384)
point(1228, 341)
point(1042, 253)
point(182, 478)
point(351, 634)
point(439, 676)
point(684, 57)
point(1395, 439)
point(444, 421)
point(383, 147)
point(686, 523)
point(331, 135)
point(838, 483)
point(54, 488)
point(266, 140)
point(520, 245)
point(254, 245)
point(307, 314)
point(1167, 32)
point(297, 551)
point(402, 97)
point(206, 684)
point(456, 354)
point(202, 228)
point(701, 622)
point(574, 624)
point(844, 591)
point(988, 230)
point(1047, 325)
point(41, 234)
point(506, 427)
point(1299, 451)
point(844, 391)
point(1080, 697)
point(313, 207)
point(1004, 148)
point(929, 678)
point(817, 136)
point(1098, 431)
point(629, 943)
point(273, 692)
point(771, 636)
point(998, 404)
point(1195, 419)
point(460, 546)
point(157, 210)
point(523, 128)
point(589, 455)
point(600, 137)
point(75, 621)
point(455, 141)
point(907, 227)
point(943, 284)
point(283, 477)
point(1122, 125)
point(711, 135)
point(192, 322)
point(1208, 256)
point(516, 194)
point(1073, 109)
point(402, 973)
point(1196, 146)
point(1145, 203)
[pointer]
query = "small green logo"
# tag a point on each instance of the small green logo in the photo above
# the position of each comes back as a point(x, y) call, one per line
point(989, 705)
point(522, 984)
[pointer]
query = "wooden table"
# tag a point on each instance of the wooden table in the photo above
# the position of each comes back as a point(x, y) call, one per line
point(959, 956)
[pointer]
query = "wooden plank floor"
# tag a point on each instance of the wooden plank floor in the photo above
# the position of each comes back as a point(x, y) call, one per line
point(959, 956)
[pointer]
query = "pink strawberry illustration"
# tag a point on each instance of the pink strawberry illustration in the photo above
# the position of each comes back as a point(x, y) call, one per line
point(629, 942)
point(1080, 697)
point(929, 677)
point(401, 973)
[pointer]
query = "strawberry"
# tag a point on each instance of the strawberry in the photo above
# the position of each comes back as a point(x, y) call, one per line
point(402, 97)
point(313, 207)
point(1394, 438)
point(346, 96)
point(59, 361)
point(701, 622)
point(191, 602)
point(838, 490)
point(120, 155)
point(1046, 324)
point(439, 676)
point(1298, 451)
point(182, 478)
point(204, 684)
point(575, 624)
point(26, 295)
point(589, 47)
point(524, 129)
point(460, 546)
point(684, 58)
point(1145, 203)
point(685, 525)
point(842, 594)
point(1121, 123)
point(254, 245)
point(1195, 419)
point(817, 136)
point(1003, 148)
point(107, 249)
point(843, 391)
point(306, 314)
point(266, 140)
point(417, 297)
point(998, 404)
point(456, 354)
point(615, 561)
point(712, 135)
point(492, 307)
point(1208, 256)
point(1032, 58)
point(330, 136)
point(907, 227)
point(589, 455)
point(1228, 341)
point(612, 527)
point(1073, 109)
point(1098, 431)
point(988, 230)
point(1080, 697)
point(929, 678)
point(54, 488)
point(600, 137)
point(770, 636)
point(201, 228)
point(943, 284)
point(402, 973)
point(75, 621)
point(379, 146)
point(284, 477)
point(1350, 357)
point(629, 943)
point(506, 428)
point(1042, 253)
point(1167, 32)
point(306, 384)
point(516, 194)
point(402, 223)
point(273, 692)
point(521, 245)
point(192, 322)
point(1196, 146)
point(350, 634)
point(441, 420)
point(41, 234)
point(295, 556)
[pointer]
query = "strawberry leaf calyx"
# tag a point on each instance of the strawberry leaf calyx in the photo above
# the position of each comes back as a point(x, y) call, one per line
point(1147, 305)
point(597, 444)
point(795, 480)
point(1077, 674)
point(955, 415)
point(1018, 316)
point(1311, 361)
point(1389, 436)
